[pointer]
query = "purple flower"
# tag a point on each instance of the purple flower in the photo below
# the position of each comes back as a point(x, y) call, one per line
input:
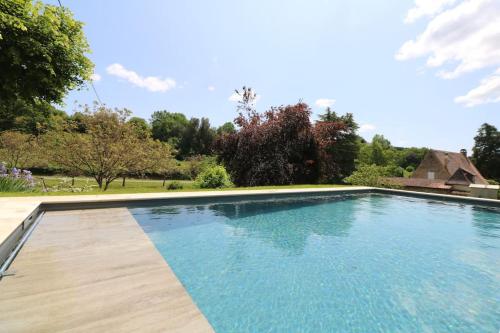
point(3, 170)
point(15, 173)
point(26, 174)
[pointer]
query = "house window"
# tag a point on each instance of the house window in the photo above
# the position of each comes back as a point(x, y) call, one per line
point(430, 175)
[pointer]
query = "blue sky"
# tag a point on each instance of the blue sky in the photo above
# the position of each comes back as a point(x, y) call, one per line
point(196, 53)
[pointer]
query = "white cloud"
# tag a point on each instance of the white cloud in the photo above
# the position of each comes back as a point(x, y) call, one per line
point(426, 8)
point(152, 83)
point(366, 128)
point(487, 92)
point(95, 77)
point(460, 40)
point(325, 102)
point(211, 88)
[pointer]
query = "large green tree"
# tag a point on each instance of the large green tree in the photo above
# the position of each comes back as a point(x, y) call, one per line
point(342, 151)
point(486, 151)
point(190, 137)
point(42, 56)
point(168, 126)
point(198, 138)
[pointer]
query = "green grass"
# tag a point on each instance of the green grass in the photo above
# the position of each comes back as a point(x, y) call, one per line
point(132, 186)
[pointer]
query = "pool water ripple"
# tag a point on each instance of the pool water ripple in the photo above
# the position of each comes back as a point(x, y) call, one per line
point(363, 263)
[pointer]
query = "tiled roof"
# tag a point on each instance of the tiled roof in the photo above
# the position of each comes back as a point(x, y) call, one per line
point(454, 161)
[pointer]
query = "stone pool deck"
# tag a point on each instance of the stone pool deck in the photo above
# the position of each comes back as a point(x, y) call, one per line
point(95, 269)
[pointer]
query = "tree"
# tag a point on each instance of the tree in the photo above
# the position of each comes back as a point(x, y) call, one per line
point(338, 145)
point(109, 148)
point(43, 56)
point(154, 157)
point(168, 126)
point(273, 148)
point(35, 118)
point(226, 128)
point(140, 126)
point(486, 151)
point(197, 139)
point(16, 149)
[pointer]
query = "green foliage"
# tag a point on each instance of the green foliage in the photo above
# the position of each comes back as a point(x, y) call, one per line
point(214, 177)
point(197, 138)
point(9, 184)
point(43, 56)
point(168, 126)
point(141, 127)
point(339, 156)
point(175, 185)
point(367, 175)
point(380, 152)
point(189, 137)
point(226, 128)
point(486, 151)
point(394, 171)
point(33, 118)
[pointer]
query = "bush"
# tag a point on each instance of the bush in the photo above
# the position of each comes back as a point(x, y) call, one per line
point(394, 171)
point(16, 180)
point(174, 186)
point(367, 175)
point(214, 177)
point(492, 182)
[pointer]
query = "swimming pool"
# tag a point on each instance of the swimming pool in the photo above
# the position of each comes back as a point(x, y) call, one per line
point(344, 263)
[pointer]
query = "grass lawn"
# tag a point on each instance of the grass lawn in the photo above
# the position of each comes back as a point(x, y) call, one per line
point(131, 186)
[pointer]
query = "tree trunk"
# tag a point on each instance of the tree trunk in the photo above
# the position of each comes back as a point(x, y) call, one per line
point(163, 182)
point(72, 181)
point(123, 180)
point(106, 185)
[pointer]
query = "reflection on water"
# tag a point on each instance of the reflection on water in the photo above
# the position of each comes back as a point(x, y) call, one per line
point(368, 263)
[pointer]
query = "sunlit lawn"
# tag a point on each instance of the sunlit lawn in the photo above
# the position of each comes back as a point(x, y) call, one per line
point(131, 186)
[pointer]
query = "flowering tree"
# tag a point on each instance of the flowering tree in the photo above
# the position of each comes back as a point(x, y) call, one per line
point(107, 149)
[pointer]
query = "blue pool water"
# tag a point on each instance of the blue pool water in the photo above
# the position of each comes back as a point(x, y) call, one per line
point(365, 263)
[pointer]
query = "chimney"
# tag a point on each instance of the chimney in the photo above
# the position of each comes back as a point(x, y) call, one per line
point(463, 152)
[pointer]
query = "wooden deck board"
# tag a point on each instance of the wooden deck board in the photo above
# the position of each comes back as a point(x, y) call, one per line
point(94, 270)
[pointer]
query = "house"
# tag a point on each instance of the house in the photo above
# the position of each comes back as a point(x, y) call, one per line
point(443, 172)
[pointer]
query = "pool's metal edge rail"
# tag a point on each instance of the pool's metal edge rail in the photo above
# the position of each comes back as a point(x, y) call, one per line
point(11, 243)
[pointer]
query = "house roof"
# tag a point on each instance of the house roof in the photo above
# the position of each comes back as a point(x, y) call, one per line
point(455, 161)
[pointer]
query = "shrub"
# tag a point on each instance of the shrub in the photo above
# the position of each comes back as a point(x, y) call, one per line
point(394, 171)
point(174, 186)
point(16, 180)
point(214, 177)
point(367, 175)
